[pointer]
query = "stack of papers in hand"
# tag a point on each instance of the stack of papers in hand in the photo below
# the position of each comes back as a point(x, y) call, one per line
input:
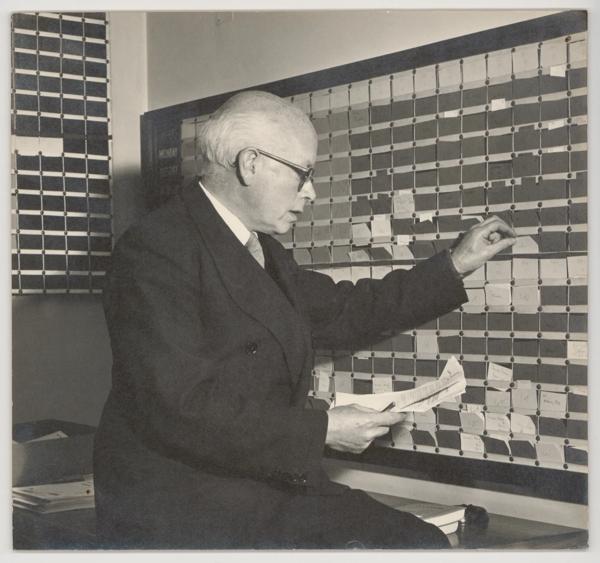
point(449, 385)
point(446, 518)
point(55, 497)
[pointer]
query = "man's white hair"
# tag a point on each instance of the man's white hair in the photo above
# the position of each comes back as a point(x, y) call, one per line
point(247, 119)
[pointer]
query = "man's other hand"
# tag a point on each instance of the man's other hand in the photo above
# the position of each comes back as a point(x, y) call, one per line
point(352, 428)
point(482, 242)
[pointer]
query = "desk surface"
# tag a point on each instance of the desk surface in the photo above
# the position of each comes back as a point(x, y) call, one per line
point(76, 530)
point(506, 532)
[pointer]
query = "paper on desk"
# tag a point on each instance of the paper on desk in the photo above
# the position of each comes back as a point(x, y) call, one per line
point(51, 436)
point(450, 384)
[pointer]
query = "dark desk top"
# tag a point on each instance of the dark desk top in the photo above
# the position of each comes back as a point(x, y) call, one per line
point(75, 529)
point(506, 532)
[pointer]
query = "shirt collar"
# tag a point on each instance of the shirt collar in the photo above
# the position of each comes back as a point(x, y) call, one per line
point(232, 221)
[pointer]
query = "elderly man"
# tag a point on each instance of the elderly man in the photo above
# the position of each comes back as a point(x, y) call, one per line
point(205, 441)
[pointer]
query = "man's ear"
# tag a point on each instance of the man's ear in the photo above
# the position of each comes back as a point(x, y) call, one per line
point(246, 166)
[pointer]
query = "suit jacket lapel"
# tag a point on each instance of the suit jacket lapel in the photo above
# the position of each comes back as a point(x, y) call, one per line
point(249, 285)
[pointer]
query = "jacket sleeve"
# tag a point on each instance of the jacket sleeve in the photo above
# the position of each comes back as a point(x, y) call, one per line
point(173, 387)
point(349, 316)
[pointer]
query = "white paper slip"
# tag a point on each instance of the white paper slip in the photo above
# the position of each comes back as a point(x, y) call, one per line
point(380, 226)
point(402, 253)
point(451, 113)
point(383, 384)
point(402, 240)
point(577, 266)
point(450, 384)
point(498, 372)
point(556, 124)
point(472, 422)
point(471, 443)
point(525, 245)
point(323, 382)
point(404, 204)
point(427, 344)
point(553, 402)
point(558, 70)
point(360, 255)
point(496, 422)
point(498, 103)
point(497, 294)
point(522, 424)
point(577, 349)
point(524, 399)
point(425, 217)
point(360, 231)
point(550, 453)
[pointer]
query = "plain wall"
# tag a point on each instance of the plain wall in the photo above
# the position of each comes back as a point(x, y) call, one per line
point(61, 352)
point(195, 55)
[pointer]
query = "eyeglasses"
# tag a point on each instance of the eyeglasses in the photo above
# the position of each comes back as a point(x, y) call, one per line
point(306, 174)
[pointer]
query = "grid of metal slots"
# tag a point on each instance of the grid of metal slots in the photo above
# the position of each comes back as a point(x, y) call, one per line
point(408, 161)
point(62, 219)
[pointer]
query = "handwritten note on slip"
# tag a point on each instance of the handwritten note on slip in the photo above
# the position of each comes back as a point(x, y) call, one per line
point(522, 424)
point(525, 245)
point(497, 422)
point(472, 422)
point(553, 402)
point(497, 294)
point(450, 384)
point(380, 226)
point(525, 399)
point(497, 372)
point(497, 400)
point(577, 349)
point(471, 443)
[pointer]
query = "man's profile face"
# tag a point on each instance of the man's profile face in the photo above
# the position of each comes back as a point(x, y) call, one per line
point(275, 199)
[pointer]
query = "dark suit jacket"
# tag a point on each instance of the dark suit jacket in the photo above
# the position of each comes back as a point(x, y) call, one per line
point(204, 434)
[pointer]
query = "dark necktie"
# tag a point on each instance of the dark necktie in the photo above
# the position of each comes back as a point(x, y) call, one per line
point(254, 247)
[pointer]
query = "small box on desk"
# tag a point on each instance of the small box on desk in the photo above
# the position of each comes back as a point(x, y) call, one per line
point(51, 460)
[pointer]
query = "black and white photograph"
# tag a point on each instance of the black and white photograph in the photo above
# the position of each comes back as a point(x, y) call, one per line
point(299, 279)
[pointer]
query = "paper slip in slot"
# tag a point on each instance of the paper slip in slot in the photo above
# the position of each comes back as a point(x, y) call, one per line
point(525, 245)
point(471, 443)
point(498, 372)
point(472, 422)
point(523, 384)
point(451, 113)
point(404, 204)
point(525, 269)
point(498, 103)
point(360, 255)
point(423, 217)
point(556, 124)
point(525, 297)
point(558, 70)
point(324, 383)
point(469, 407)
point(577, 266)
point(476, 296)
point(402, 253)
point(553, 402)
point(497, 294)
point(496, 422)
point(499, 270)
point(383, 385)
point(427, 344)
point(577, 350)
point(475, 278)
point(525, 399)
point(426, 417)
point(380, 226)
point(555, 149)
point(522, 424)
point(450, 384)
point(341, 274)
point(497, 399)
point(342, 383)
point(402, 240)
point(360, 231)
point(550, 453)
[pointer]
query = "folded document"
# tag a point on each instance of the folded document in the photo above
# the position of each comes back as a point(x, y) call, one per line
point(448, 386)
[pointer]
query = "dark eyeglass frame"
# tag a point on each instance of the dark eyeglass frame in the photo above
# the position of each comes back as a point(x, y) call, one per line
point(306, 174)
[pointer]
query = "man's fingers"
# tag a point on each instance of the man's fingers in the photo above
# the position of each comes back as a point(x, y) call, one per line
point(501, 245)
point(497, 226)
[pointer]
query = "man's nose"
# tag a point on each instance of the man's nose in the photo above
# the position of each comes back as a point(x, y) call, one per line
point(308, 191)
